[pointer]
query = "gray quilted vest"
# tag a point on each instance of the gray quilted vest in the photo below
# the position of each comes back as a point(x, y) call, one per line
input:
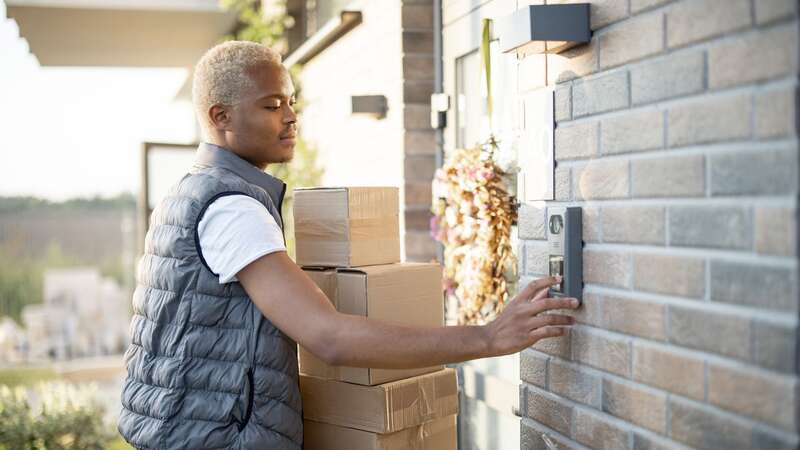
point(206, 370)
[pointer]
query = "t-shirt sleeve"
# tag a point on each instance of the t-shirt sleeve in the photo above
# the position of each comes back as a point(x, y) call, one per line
point(235, 231)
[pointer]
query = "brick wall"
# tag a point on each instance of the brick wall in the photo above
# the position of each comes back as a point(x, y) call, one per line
point(677, 134)
point(419, 137)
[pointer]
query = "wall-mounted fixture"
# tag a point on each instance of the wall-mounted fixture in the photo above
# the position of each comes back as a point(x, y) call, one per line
point(565, 249)
point(544, 28)
point(369, 105)
point(440, 103)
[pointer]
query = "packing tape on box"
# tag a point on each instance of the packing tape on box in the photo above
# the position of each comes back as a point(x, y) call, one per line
point(418, 440)
point(415, 406)
point(427, 388)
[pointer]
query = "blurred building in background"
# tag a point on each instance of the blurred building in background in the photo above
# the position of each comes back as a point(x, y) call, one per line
point(83, 315)
point(13, 342)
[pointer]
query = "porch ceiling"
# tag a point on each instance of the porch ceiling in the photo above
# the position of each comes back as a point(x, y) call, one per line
point(125, 33)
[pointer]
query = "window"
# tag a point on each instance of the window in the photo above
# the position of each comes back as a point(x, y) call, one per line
point(472, 125)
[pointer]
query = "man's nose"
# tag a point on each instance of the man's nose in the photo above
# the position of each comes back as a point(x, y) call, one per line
point(290, 116)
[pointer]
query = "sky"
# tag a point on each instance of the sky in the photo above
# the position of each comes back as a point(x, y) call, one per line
point(77, 132)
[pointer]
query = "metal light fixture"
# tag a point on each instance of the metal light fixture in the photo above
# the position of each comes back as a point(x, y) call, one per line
point(370, 105)
point(440, 103)
point(544, 28)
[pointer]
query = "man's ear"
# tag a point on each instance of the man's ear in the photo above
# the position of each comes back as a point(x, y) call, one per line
point(219, 117)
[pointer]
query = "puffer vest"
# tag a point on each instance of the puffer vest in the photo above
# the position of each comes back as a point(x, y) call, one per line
point(206, 370)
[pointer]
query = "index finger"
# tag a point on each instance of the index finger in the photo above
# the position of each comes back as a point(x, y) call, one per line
point(550, 303)
point(535, 286)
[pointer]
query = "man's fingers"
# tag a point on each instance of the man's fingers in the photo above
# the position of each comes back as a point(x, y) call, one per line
point(547, 304)
point(535, 286)
point(546, 320)
point(541, 294)
point(533, 308)
point(547, 332)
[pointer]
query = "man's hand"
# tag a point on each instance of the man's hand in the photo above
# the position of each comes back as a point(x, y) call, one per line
point(521, 323)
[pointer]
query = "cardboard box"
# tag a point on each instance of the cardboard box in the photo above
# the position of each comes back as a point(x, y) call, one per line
point(347, 226)
point(440, 434)
point(405, 294)
point(385, 408)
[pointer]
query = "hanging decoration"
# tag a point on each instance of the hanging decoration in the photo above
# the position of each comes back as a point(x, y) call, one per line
point(472, 218)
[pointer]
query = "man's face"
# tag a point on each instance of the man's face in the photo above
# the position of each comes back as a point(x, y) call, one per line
point(263, 125)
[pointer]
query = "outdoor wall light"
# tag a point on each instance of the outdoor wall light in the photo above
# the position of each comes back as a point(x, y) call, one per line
point(544, 28)
point(370, 105)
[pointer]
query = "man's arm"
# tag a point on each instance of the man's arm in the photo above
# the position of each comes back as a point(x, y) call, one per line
point(294, 304)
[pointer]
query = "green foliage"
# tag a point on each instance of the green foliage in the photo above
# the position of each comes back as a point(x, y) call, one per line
point(269, 29)
point(257, 26)
point(14, 204)
point(124, 200)
point(119, 444)
point(26, 376)
point(62, 417)
point(21, 203)
point(20, 285)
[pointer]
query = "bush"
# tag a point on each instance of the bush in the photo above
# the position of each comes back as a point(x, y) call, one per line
point(52, 416)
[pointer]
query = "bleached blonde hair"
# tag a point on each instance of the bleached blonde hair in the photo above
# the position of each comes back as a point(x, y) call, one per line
point(221, 75)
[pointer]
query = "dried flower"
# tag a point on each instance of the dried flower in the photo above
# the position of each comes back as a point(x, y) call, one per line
point(473, 219)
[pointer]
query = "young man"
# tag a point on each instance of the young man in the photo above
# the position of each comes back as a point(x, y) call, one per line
point(219, 306)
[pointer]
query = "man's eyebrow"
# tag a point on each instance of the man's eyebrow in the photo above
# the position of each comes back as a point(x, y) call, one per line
point(278, 96)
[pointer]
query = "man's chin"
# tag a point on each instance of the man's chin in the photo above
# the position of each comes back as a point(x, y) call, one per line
point(287, 157)
point(281, 157)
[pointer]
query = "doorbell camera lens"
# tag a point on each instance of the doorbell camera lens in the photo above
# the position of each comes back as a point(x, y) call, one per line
point(556, 224)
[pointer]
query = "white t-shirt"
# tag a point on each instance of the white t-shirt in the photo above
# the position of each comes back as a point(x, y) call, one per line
point(235, 231)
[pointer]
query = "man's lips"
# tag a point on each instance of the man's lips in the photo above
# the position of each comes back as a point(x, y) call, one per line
point(289, 140)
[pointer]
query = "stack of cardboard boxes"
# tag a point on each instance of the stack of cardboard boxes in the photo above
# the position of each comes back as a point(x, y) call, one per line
point(348, 242)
